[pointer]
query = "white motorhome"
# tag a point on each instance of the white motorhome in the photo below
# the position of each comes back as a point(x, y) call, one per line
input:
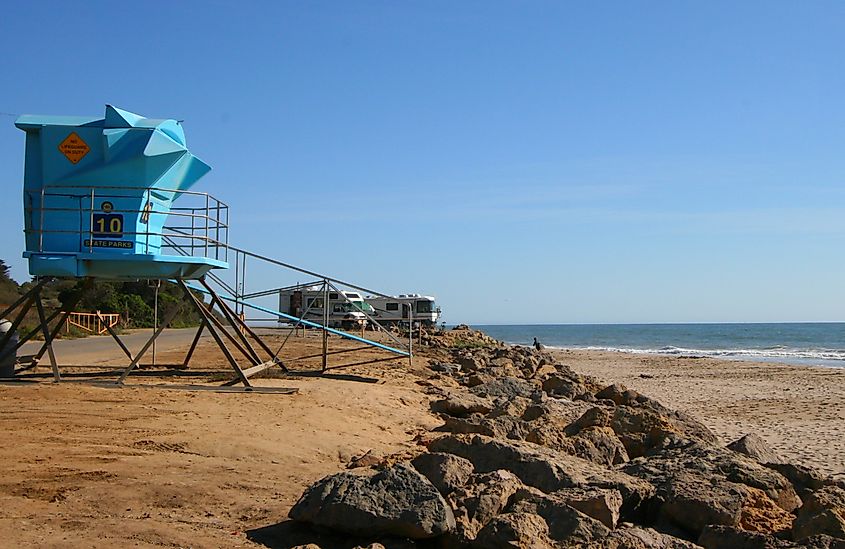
point(396, 309)
point(346, 308)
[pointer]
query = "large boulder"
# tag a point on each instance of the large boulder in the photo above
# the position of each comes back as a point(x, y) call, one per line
point(541, 467)
point(715, 464)
point(597, 444)
point(397, 501)
point(515, 530)
point(462, 405)
point(691, 502)
point(823, 512)
point(480, 500)
point(595, 416)
point(602, 504)
point(753, 446)
point(635, 537)
point(804, 479)
point(566, 524)
point(445, 471)
point(731, 537)
point(499, 427)
point(619, 394)
point(567, 384)
point(557, 410)
point(648, 426)
point(761, 514)
point(507, 387)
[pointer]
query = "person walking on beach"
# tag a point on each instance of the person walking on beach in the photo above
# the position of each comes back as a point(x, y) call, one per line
point(538, 345)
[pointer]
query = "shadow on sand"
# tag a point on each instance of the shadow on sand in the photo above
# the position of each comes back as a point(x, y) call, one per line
point(287, 534)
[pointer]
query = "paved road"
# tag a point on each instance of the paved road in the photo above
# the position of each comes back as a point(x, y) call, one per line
point(103, 349)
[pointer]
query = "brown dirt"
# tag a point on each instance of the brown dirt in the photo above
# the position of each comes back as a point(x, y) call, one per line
point(152, 467)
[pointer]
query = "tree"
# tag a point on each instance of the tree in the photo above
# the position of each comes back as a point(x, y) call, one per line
point(134, 301)
point(9, 289)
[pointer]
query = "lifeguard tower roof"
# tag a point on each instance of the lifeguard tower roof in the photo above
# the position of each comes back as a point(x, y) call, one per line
point(99, 199)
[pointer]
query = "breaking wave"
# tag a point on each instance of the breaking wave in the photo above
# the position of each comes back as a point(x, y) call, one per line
point(775, 353)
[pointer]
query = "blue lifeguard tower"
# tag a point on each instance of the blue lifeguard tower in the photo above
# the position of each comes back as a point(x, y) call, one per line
point(97, 192)
point(110, 198)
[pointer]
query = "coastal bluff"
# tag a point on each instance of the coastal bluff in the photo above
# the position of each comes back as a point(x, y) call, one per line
point(532, 454)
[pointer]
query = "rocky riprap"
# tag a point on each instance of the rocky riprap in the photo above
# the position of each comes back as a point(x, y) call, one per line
point(532, 454)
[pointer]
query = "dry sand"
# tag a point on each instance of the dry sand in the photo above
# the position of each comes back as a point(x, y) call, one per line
point(798, 410)
point(146, 467)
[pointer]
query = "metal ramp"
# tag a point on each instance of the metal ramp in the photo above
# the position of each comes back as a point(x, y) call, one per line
point(236, 296)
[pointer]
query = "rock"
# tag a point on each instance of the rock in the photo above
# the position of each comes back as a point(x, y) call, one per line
point(502, 362)
point(462, 405)
point(520, 530)
point(470, 363)
point(599, 445)
point(692, 502)
point(500, 427)
point(823, 512)
point(367, 459)
point(445, 368)
point(822, 542)
point(559, 411)
point(541, 467)
point(508, 387)
point(480, 500)
point(754, 447)
point(602, 446)
point(619, 394)
point(445, 471)
point(475, 379)
point(565, 384)
point(641, 538)
point(804, 479)
point(594, 417)
point(503, 372)
point(730, 537)
point(396, 501)
point(602, 504)
point(566, 524)
point(715, 464)
point(761, 514)
point(644, 428)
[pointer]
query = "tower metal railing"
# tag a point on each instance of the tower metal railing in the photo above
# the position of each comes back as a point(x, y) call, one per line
point(199, 221)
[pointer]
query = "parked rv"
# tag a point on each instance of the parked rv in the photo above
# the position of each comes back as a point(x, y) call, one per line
point(396, 309)
point(346, 308)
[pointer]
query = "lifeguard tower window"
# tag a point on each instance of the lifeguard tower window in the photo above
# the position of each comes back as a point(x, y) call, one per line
point(391, 306)
point(425, 306)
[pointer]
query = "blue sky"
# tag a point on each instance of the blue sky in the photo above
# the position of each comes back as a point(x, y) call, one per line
point(525, 162)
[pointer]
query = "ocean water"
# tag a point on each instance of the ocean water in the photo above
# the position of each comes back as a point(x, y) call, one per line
point(821, 344)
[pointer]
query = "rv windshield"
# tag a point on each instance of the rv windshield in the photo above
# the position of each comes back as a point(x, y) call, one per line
point(425, 306)
point(356, 306)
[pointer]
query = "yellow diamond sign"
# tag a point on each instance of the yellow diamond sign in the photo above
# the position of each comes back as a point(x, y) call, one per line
point(74, 148)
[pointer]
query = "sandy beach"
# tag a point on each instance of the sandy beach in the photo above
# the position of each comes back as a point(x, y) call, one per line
point(147, 467)
point(798, 410)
